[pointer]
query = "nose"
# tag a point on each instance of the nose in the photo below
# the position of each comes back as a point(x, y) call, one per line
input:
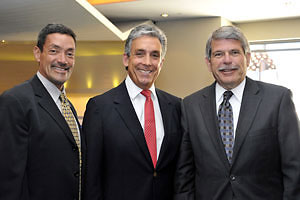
point(227, 58)
point(62, 58)
point(147, 60)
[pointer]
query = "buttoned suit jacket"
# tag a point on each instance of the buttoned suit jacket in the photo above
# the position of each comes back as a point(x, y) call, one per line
point(119, 165)
point(38, 153)
point(266, 161)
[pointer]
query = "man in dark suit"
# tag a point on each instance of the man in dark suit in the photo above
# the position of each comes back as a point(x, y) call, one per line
point(122, 163)
point(255, 156)
point(40, 157)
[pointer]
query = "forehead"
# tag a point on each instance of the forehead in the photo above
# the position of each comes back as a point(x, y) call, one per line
point(225, 44)
point(62, 40)
point(146, 42)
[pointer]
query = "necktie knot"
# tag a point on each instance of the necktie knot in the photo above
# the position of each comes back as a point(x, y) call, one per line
point(146, 93)
point(63, 98)
point(227, 95)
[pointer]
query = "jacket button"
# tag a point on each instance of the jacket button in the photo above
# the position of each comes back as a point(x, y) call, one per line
point(76, 174)
point(232, 178)
point(74, 148)
point(155, 174)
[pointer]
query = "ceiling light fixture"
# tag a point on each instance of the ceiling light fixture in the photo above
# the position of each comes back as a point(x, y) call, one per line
point(100, 2)
point(100, 17)
point(164, 15)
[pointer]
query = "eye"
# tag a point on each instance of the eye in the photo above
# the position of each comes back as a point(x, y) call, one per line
point(139, 53)
point(70, 54)
point(218, 54)
point(235, 52)
point(52, 51)
point(155, 55)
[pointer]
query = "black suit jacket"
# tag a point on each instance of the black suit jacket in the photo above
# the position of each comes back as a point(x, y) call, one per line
point(119, 165)
point(266, 160)
point(39, 156)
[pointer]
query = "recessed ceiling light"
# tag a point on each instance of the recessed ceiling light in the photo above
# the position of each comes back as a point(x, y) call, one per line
point(164, 15)
point(3, 41)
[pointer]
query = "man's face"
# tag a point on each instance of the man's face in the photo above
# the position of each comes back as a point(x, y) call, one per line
point(228, 62)
point(57, 59)
point(144, 62)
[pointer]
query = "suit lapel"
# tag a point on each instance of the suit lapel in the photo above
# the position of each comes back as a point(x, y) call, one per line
point(249, 107)
point(45, 101)
point(208, 110)
point(126, 110)
point(165, 109)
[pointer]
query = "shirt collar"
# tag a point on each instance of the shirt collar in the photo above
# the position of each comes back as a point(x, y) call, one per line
point(237, 91)
point(134, 90)
point(50, 87)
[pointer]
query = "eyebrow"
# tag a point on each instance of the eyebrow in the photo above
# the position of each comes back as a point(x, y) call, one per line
point(59, 47)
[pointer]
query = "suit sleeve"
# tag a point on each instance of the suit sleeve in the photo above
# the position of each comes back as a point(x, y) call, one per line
point(92, 135)
point(185, 169)
point(13, 147)
point(289, 141)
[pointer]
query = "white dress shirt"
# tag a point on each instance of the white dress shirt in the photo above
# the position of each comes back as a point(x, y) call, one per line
point(138, 102)
point(235, 100)
point(54, 93)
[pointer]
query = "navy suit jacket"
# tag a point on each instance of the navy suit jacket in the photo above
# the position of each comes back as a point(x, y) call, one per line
point(38, 153)
point(119, 165)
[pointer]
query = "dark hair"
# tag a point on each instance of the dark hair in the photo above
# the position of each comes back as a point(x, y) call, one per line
point(53, 28)
point(148, 30)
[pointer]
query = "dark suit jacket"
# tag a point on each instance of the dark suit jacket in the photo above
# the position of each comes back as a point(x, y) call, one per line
point(119, 165)
point(39, 156)
point(266, 159)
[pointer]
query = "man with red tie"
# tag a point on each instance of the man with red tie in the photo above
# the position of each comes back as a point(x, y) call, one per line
point(133, 131)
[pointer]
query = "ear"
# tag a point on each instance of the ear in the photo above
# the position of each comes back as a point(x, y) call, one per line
point(37, 53)
point(125, 59)
point(162, 62)
point(248, 58)
point(208, 63)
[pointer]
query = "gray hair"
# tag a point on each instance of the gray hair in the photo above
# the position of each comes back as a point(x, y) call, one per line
point(227, 32)
point(146, 30)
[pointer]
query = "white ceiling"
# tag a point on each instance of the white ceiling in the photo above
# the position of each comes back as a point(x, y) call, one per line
point(23, 19)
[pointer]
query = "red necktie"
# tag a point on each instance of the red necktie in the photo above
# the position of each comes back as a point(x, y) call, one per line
point(149, 127)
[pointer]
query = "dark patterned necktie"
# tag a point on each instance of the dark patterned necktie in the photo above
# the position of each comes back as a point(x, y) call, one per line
point(70, 119)
point(225, 116)
point(149, 126)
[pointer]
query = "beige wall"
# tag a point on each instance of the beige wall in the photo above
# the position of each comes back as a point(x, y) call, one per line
point(270, 30)
point(184, 70)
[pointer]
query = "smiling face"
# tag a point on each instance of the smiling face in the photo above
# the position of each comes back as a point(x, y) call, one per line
point(145, 62)
point(56, 61)
point(228, 62)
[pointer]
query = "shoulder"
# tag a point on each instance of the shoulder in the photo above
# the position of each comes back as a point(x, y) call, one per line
point(205, 92)
point(167, 96)
point(21, 92)
point(109, 95)
point(17, 99)
point(267, 89)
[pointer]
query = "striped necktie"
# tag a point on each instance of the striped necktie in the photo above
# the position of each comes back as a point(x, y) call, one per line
point(70, 119)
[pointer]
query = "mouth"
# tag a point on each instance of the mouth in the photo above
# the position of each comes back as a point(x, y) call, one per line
point(145, 71)
point(59, 68)
point(227, 68)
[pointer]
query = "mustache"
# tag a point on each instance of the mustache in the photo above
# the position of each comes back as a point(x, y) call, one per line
point(227, 67)
point(61, 65)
